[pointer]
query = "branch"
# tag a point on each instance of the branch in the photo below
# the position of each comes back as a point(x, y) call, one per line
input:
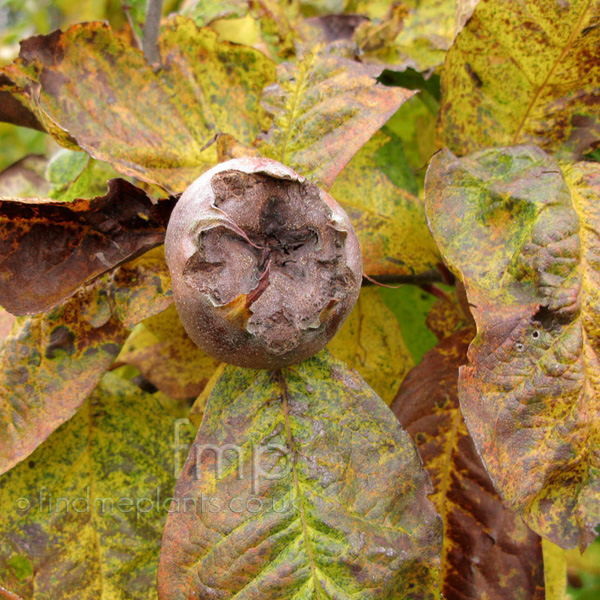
point(428, 277)
point(151, 31)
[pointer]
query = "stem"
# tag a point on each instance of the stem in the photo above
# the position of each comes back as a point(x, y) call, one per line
point(428, 277)
point(151, 31)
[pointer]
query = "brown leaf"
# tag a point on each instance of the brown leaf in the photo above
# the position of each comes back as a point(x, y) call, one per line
point(12, 110)
point(444, 318)
point(167, 357)
point(49, 248)
point(51, 362)
point(488, 552)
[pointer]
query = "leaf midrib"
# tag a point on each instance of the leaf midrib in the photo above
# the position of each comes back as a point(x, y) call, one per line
point(290, 441)
point(302, 75)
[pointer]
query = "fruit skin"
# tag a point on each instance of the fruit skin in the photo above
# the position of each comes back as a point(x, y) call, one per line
point(265, 266)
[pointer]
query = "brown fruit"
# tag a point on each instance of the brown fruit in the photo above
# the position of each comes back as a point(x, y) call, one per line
point(265, 265)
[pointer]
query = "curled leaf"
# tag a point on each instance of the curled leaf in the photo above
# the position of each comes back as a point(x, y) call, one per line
point(525, 242)
point(50, 248)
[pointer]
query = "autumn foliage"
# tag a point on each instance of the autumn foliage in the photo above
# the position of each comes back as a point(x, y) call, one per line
point(447, 441)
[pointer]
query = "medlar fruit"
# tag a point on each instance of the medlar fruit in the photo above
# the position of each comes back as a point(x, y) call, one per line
point(265, 265)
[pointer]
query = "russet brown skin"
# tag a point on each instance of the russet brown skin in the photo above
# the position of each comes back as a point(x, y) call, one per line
point(265, 266)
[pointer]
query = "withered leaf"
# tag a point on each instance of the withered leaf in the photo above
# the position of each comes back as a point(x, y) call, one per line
point(338, 508)
point(91, 88)
point(12, 110)
point(488, 551)
point(524, 72)
point(51, 362)
point(325, 107)
point(50, 248)
point(525, 242)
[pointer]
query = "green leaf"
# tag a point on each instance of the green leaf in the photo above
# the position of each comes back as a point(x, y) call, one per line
point(525, 243)
point(371, 341)
point(92, 88)
point(83, 517)
point(51, 362)
point(325, 107)
point(411, 307)
point(338, 509)
point(488, 551)
point(390, 222)
point(524, 71)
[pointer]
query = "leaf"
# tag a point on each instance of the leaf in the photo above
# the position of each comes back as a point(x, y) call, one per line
point(205, 12)
point(338, 508)
point(464, 11)
point(50, 248)
point(414, 123)
point(524, 72)
point(488, 552)
point(83, 517)
point(91, 87)
point(445, 317)
point(51, 362)
point(324, 108)
point(555, 571)
point(390, 222)
point(25, 178)
point(525, 244)
point(258, 23)
point(418, 37)
point(411, 307)
point(328, 28)
point(170, 361)
point(371, 342)
point(13, 111)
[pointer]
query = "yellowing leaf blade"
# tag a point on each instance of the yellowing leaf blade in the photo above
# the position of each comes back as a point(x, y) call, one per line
point(83, 516)
point(51, 362)
point(91, 87)
point(325, 107)
point(524, 240)
point(346, 516)
point(524, 72)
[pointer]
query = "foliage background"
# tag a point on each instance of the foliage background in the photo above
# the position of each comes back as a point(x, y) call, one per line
point(418, 313)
